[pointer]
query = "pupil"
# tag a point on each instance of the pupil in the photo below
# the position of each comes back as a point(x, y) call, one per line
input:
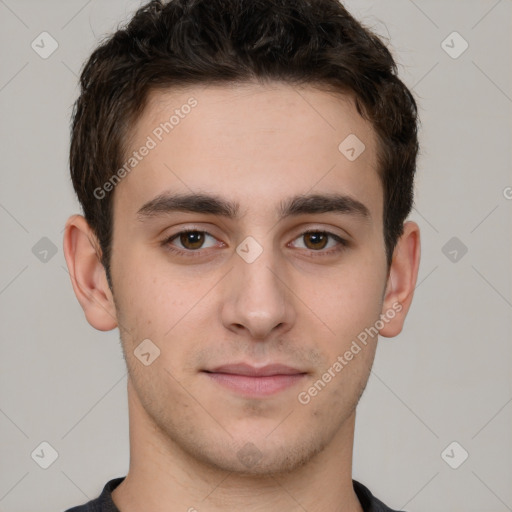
point(317, 238)
point(192, 240)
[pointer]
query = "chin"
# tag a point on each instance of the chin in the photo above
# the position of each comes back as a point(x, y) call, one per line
point(260, 456)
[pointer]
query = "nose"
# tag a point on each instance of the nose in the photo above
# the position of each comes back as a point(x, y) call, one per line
point(257, 298)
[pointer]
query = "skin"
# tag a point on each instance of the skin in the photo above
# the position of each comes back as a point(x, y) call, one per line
point(256, 145)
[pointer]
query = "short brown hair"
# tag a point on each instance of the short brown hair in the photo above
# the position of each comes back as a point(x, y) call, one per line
point(185, 42)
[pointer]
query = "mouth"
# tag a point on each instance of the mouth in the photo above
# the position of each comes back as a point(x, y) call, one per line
point(251, 381)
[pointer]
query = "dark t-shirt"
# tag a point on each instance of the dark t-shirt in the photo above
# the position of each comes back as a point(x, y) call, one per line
point(104, 502)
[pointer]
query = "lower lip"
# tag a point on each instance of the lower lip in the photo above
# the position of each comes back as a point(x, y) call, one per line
point(256, 386)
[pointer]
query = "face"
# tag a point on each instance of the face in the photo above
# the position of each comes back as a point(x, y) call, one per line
point(263, 277)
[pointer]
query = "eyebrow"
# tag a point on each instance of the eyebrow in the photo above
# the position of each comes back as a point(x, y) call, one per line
point(210, 204)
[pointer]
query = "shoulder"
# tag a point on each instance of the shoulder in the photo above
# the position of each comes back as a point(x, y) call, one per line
point(368, 501)
point(103, 503)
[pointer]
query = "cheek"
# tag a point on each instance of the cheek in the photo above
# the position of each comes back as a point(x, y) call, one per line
point(349, 300)
point(163, 393)
point(148, 294)
point(169, 308)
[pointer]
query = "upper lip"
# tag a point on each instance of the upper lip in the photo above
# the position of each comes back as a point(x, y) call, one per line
point(262, 371)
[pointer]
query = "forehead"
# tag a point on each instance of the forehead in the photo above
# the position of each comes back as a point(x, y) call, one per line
point(253, 142)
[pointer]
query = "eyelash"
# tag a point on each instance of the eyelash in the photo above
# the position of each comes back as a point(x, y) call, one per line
point(196, 253)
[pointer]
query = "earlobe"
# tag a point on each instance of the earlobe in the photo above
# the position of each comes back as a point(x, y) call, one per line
point(402, 279)
point(87, 273)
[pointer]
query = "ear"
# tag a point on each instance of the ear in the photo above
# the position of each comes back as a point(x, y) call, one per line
point(402, 277)
point(88, 276)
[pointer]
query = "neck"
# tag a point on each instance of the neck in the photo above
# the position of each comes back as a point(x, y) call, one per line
point(162, 477)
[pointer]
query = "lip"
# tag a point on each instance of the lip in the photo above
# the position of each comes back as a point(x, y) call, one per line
point(253, 381)
point(253, 371)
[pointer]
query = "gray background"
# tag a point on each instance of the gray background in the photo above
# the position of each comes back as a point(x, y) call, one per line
point(445, 378)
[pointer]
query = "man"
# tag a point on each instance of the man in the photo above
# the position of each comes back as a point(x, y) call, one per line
point(245, 170)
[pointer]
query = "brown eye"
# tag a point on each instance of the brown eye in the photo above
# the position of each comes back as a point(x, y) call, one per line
point(191, 242)
point(315, 240)
point(322, 242)
point(192, 239)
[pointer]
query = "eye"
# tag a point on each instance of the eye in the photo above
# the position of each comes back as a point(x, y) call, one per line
point(190, 240)
point(315, 240)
